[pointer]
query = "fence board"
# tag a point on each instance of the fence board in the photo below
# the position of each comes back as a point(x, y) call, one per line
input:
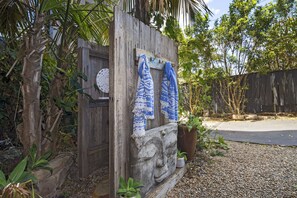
point(92, 126)
point(272, 92)
point(126, 34)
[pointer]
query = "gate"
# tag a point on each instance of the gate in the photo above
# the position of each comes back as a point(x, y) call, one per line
point(93, 109)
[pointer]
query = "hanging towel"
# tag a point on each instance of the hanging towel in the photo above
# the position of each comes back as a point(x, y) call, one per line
point(144, 102)
point(169, 93)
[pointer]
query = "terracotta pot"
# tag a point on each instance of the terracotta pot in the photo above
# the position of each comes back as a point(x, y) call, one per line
point(187, 140)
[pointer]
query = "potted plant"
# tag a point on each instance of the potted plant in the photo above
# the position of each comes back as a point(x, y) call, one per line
point(187, 135)
point(181, 158)
point(131, 188)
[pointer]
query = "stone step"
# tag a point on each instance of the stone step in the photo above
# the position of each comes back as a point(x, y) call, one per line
point(102, 189)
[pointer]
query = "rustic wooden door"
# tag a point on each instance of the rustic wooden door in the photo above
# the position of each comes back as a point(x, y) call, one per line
point(93, 123)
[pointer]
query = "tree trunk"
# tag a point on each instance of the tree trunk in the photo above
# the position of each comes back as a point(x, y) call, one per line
point(54, 113)
point(142, 11)
point(31, 75)
point(56, 92)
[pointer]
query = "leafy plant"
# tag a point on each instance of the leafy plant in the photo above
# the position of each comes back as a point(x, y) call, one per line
point(191, 122)
point(131, 188)
point(20, 190)
point(35, 162)
point(216, 152)
point(181, 154)
point(18, 175)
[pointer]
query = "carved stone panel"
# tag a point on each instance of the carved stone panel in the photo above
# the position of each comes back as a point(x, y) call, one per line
point(153, 156)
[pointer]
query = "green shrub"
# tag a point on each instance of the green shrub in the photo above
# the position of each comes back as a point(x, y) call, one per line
point(130, 188)
point(181, 154)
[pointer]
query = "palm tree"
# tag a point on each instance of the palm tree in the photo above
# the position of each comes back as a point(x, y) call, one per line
point(27, 22)
point(183, 10)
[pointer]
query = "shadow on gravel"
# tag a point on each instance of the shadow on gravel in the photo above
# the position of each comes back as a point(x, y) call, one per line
point(283, 138)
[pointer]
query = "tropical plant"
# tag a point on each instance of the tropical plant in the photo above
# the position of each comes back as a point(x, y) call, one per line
point(184, 11)
point(18, 175)
point(181, 154)
point(35, 162)
point(19, 190)
point(24, 25)
point(191, 121)
point(131, 188)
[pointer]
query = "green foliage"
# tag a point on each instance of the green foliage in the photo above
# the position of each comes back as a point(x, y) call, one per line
point(196, 72)
point(193, 122)
point(18, 175)
point(274, 35)
point(19, 190)
point(20, 181)
point(65, 22)
point(35, 162)
point(181, 154)
point(130, 188)
point(205, 141)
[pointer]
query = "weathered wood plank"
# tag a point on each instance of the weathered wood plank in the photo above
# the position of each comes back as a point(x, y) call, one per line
point(272, 92)
point(83, 117)
point(126, 34)
point(112, 136)
point(90, 126)
point(154, 61)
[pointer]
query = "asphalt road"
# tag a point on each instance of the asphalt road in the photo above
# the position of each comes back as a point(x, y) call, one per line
point(279, 132)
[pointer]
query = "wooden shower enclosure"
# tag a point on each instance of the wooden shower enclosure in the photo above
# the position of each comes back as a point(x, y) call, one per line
point(105, 125)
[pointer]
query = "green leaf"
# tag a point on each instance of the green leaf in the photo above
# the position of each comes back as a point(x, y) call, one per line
point(3, 181)
point(46, 156)
point(122, 183)
point(18, 171)
point(40, 163)
point(26, 176)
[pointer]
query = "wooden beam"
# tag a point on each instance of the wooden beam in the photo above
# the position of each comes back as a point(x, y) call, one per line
point(155, 61)
point(99, 103)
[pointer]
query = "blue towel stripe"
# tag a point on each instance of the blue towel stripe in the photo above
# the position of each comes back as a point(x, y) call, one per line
point(144, 102)
point(169, 94)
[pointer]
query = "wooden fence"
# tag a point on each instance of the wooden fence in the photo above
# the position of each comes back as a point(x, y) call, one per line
point(93, 113)
point(272, 92)
point(106, 120)
point(128, 33)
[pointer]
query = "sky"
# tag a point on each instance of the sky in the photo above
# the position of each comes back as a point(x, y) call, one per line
point(220, 7)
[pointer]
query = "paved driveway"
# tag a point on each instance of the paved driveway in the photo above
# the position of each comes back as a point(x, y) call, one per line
point(280, 131)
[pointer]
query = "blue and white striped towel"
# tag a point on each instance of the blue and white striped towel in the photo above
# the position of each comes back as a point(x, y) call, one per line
point(169, 94)
point(144, 102)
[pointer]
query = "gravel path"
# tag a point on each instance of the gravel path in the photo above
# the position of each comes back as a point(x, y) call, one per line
point(246, 170)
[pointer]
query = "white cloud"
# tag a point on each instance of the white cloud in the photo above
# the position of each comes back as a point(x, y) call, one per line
point(207, 1)
point(215, 11)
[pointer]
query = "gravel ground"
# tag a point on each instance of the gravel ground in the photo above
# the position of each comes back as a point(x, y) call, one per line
point(74, 187)
point(246, 170)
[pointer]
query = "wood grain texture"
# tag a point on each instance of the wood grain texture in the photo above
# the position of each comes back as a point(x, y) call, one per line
point(273, 92)
point(127, 34)
point(154, 61)
point(92, 126)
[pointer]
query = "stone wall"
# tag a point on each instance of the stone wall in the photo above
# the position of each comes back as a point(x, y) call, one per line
point(48, 184)
point(153, 156)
